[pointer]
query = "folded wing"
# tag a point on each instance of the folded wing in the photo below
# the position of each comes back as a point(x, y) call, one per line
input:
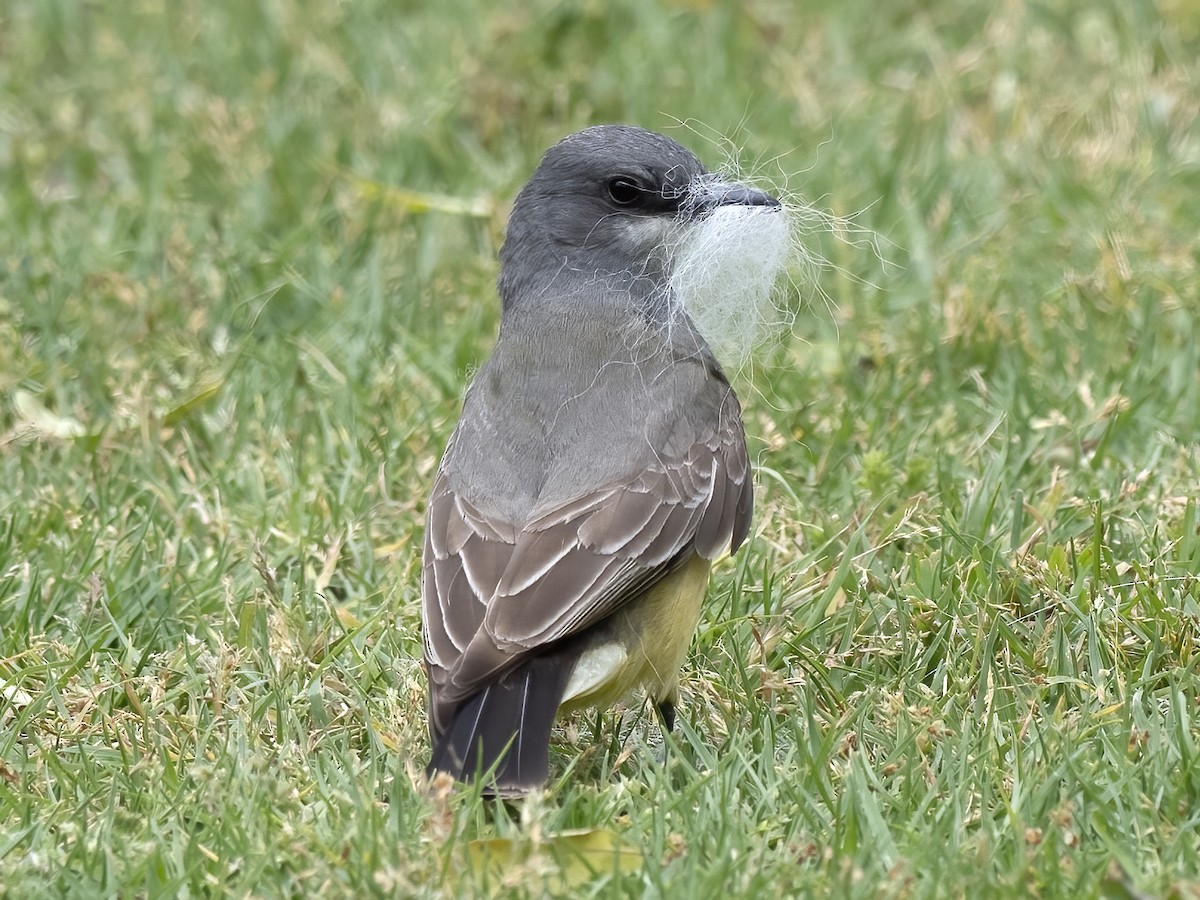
point(495, 592)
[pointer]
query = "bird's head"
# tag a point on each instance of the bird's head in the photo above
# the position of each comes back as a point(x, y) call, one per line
point(606, 206)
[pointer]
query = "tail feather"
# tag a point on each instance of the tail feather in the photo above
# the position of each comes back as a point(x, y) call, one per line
point(502, 733)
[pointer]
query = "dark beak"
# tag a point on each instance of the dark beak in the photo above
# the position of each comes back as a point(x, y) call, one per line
point(707, 194)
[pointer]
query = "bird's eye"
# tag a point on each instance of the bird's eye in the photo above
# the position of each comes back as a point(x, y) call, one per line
point(624, 191)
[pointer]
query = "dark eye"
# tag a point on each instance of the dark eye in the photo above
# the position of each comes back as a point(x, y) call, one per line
point(624, 191)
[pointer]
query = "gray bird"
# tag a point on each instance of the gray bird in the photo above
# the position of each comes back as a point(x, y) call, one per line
point(598, 468)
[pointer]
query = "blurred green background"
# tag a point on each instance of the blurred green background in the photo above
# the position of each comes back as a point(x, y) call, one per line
point(247, 254)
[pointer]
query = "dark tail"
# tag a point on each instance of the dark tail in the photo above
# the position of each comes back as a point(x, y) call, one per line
point(504, 730)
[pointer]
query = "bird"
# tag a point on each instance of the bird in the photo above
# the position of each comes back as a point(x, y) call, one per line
point(599, 466)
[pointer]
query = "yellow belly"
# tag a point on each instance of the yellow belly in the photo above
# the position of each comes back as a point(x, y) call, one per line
point(643, 644)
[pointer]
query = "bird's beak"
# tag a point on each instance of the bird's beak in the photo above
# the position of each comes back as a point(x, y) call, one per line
point(707, 194)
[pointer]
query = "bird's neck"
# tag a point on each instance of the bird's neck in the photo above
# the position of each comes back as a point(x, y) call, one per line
point(557, 276)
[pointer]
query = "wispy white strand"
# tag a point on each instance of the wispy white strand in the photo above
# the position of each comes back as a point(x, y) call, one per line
point(741, 274)
point(728, 275)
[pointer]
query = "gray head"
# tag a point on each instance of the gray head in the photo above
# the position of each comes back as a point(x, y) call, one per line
point(602, 208)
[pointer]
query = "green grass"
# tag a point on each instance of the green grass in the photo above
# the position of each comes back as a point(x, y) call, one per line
point(960, 655)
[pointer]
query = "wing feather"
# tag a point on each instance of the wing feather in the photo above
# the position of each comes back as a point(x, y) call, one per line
point(484, 562)
point(534, 555)
point(530, 619)
point(619, 521)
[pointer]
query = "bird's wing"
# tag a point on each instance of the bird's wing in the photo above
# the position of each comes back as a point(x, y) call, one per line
point(495, 592)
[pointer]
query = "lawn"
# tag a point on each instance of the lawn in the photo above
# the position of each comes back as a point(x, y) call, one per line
point(247, 263)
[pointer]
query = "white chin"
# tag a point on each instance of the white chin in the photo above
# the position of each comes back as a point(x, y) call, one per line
point(640, 232)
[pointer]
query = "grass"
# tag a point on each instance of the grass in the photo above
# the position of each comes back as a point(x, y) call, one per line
point(961, 654)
